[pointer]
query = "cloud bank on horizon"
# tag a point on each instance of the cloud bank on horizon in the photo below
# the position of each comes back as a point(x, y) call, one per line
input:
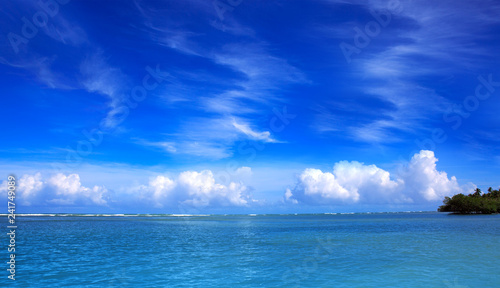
point(350, 182)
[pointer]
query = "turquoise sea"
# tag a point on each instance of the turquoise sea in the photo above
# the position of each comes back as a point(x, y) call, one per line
point(316, 250)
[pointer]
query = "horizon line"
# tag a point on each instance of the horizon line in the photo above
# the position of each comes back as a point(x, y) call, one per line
point(197, 215)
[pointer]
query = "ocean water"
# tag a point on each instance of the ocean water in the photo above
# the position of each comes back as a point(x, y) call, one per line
point(353, 250)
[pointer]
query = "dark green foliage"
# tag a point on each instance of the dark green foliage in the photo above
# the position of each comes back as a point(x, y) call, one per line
point(475, 203)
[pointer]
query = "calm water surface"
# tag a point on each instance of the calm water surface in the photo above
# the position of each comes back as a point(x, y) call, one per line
point(356, 250)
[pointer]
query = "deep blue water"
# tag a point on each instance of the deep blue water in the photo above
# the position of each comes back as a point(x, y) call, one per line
point(356, 250)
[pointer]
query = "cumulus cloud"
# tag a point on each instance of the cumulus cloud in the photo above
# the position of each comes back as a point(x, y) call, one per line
point(161, 186)
point(29, 186)
point(423, 179)
point(319, 185)
point(355, 182)
point(197, 189)
point(289, 196)
point(347, 183)
point(60, 189)
point(69, 190)
point(243, 174)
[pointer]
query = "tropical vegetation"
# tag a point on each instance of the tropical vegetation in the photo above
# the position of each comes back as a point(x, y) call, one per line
point(474, 203)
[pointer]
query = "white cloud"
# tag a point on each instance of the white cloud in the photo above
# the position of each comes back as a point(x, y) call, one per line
point(325, 185)
point(289, 195)
point(66, 32)
point(186, 191)
point(29, 185)
point(243, 172)
point(422, 178)
point(259, 79)
point(168, 146)
point(371, 182)
point(42, 70)
point(394, 60)
point(161, 186)
point(80, 196)
point(355, 182)
point(212, 138)
point(205, 149)
point(59, 189)
point(349, 183)
point(203, 191)
point(72, 191)
point(261, 136)
point(99, 77)
point(194, 189)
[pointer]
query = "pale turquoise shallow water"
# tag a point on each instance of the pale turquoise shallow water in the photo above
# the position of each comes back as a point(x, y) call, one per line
point(357, 250)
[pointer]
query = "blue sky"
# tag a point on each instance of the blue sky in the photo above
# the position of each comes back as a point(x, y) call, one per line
point(248, 106)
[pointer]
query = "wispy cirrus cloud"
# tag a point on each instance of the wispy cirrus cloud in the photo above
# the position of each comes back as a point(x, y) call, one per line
point(211, 138)
point(435, 41)
point(97, 76)
point(41, 69)
point(74, 64)
point(255, 82)
point(260, 136)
